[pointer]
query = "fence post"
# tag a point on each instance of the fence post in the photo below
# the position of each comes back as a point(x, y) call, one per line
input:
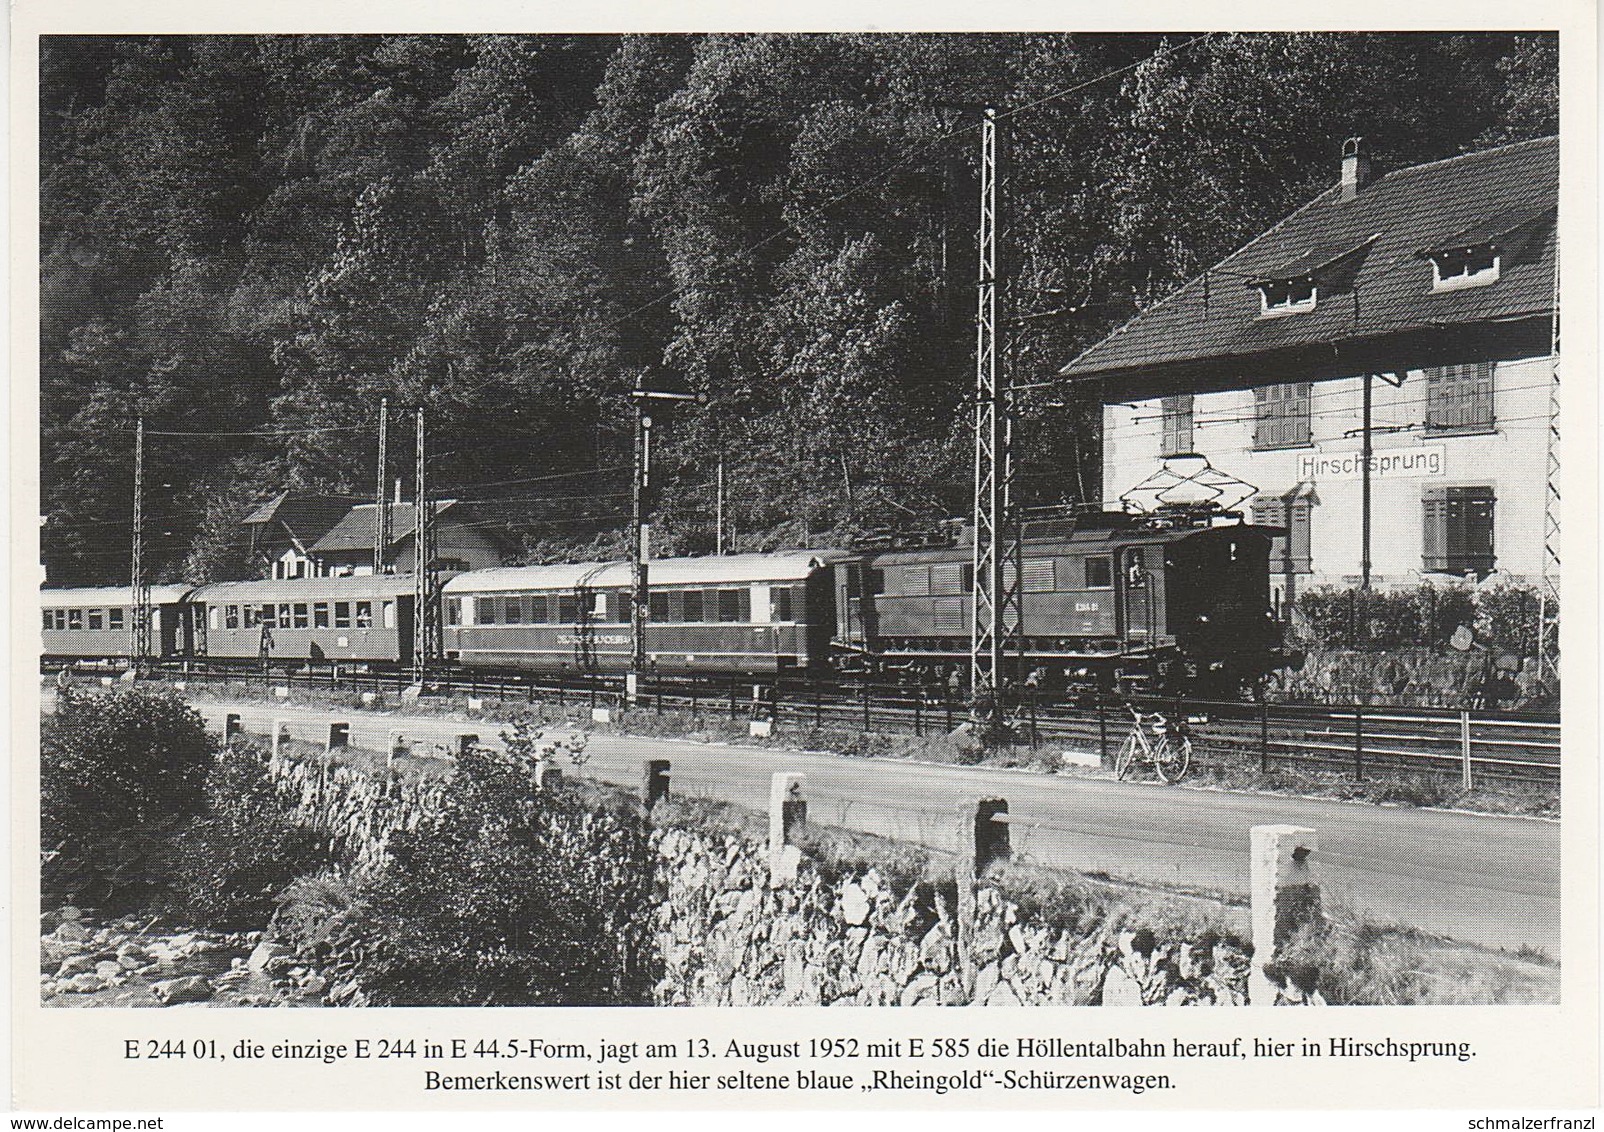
point(397, 746)
point(818, 708)
point(281, 732)
point(1102, 731)
point(788, 813)
point(232, 725)
point(866, 705)
point(946, 708)
point(1358, 741)
point(1285, 897)
point(654, 783)
point(732, 697)
point(1034, 741)
point(1264, 737)
point(1464, 749)
point(918, 714)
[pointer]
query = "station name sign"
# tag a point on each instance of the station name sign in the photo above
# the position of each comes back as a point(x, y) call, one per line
point(1395, 463)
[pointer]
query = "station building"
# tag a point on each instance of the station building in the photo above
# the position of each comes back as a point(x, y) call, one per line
point(1415, 310)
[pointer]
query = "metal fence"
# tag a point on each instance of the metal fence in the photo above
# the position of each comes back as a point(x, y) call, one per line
point(1355, 739)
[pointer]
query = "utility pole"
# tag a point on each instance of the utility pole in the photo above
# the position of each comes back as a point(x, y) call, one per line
point(381, 516)
point(139, 646)
point(718, 518)
point(1366, 451)
point(995, 620)
point(640, 502)
point(424, 635)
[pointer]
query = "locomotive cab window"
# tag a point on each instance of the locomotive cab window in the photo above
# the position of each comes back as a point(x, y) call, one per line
point(230, 616)
point(1100, 573)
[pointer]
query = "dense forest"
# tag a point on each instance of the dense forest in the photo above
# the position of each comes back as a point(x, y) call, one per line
point(249, 240)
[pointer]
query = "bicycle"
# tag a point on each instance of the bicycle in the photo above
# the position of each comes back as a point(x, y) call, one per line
point(1169, 752)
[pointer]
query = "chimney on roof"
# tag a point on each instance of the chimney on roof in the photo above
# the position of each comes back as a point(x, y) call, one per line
point(1355, 168)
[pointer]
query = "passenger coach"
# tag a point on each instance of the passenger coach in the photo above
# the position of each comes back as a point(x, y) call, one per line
point(97, 623)
point(751, 614)
point(361, 619)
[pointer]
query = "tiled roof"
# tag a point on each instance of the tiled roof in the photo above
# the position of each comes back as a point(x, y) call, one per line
point(1376, 285)
point(355, 531)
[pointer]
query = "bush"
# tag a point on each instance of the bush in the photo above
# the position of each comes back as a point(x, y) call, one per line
point(226, 866)
point(1351, 618)
point(117, 773)
point(1508, 618)
point(513, 896)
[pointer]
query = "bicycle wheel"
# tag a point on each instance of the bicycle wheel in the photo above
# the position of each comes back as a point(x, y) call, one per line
point(1127, 756)
point(1173, 758)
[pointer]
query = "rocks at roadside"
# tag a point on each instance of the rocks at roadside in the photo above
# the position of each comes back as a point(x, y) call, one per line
point(177, 992)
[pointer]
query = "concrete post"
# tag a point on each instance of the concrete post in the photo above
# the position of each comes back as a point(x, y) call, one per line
point(989, 833)
point(547, 774)
point(1285, 897)
point(1464, 750)
point(654, 784)
point(232, 725)
point(281, 733)
point(788, 813)
point(398, 745)
point(339, 735)
point(466, 741)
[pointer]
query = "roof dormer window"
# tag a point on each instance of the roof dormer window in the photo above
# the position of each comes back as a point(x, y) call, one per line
point(1459, 268)
point(1278, 297)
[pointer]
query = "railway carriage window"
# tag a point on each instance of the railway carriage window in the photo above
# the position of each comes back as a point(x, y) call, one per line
point(567, 609)
point(729, 605)
point(50, 620)
point(301, 619)
point(657, 606)
point(114, 619)
point(598, 606)
point(342, 615)
point(230, 616)
point(539, 609)
point(248, 618)
point(389, 614)
point(485, 611)
point(96, 617)
point(693, 605)
point(512, 610)
point(780, 604)
point(676, 605)
point(1099, 574)
point(364, 615)
point(320, 615)
point(950, 579)
point(75, 619)
point(283, 615)
point(1038, 575)
point(453, 611)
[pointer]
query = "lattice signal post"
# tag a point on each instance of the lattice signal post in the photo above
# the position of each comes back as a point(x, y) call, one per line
point(139, 582)
point(426, 586)
point(1548, 617)
point(995, 620)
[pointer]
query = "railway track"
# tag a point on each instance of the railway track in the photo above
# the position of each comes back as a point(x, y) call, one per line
point(1361, 740)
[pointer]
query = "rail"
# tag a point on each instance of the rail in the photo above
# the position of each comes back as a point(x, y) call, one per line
point(1361, 740)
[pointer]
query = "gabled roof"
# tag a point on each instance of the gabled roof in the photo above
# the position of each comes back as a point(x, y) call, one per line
point(355, 531)
point(1374, 289)
point(306, 516)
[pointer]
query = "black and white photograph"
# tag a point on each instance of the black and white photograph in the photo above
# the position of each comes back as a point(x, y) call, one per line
point(1017, 519)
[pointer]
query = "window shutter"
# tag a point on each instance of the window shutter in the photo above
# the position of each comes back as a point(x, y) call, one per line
point(1435, 509)
point(1298, 536)
point(1261, 410)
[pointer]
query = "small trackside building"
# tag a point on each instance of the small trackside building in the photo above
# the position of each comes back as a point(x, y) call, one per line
point(1415, 309)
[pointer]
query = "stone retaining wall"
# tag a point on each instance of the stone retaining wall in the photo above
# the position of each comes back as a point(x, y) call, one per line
point(729, 938)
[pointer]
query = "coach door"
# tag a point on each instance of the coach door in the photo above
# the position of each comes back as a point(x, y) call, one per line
point(1136, 601)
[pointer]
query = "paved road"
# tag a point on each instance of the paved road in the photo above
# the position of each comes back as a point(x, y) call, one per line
point(1485, 880)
